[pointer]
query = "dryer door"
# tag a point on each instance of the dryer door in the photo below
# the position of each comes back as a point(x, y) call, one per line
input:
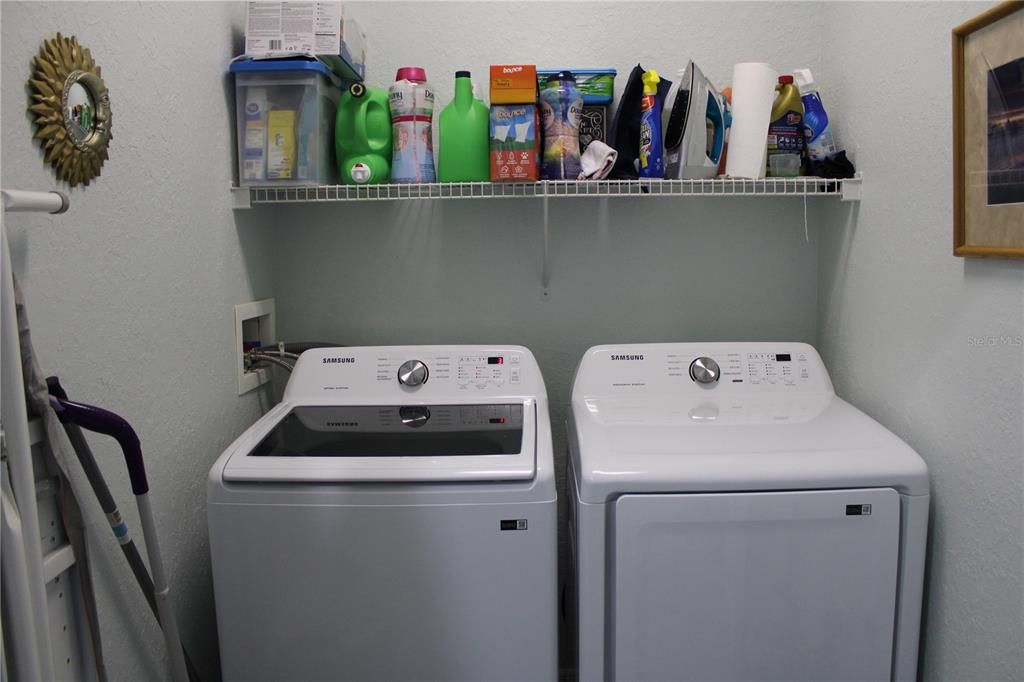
point(754, 586)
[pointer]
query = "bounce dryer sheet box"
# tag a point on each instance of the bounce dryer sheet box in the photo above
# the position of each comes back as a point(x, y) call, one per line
point(514, 143)
point(513, 84)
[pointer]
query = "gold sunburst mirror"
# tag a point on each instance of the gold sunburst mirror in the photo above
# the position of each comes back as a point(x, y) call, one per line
point(72, 109)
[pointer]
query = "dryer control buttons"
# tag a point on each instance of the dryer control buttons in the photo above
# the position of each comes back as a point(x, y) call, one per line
point(705, 371)
point(413, 373)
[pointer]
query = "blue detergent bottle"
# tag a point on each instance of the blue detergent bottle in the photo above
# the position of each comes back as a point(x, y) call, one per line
point(652, 155)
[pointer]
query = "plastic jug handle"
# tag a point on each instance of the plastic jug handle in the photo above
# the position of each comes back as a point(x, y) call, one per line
point(377, 146)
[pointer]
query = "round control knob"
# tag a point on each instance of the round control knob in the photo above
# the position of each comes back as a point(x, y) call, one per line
point(704, 371)
point(412, 373)
point(414, 416)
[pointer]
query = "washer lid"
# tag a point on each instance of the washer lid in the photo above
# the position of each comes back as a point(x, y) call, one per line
point(630, 444)
point(410, 442)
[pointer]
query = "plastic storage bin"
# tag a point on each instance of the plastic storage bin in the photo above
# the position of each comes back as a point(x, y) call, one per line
point(285, 122)
point(596, 85)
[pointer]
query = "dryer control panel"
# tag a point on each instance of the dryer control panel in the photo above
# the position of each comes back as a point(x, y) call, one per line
point(427, 373)
point(698, 367)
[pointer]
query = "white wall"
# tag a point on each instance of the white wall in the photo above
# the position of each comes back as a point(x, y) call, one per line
point(900, 320)
point(131, 293)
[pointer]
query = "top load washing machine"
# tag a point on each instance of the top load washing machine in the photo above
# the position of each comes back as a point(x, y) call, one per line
point(735, 520)
point(393, 518)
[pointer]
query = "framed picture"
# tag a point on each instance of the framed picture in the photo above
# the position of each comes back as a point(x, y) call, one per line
point(988, 133)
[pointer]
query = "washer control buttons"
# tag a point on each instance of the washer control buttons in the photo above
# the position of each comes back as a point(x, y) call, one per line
point(704, 370)
point(413, 373)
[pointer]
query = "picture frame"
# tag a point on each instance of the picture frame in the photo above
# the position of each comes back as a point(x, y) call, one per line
point(988, 133)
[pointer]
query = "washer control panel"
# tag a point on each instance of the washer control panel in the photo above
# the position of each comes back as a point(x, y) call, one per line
point(468, 372)
point(416, 372)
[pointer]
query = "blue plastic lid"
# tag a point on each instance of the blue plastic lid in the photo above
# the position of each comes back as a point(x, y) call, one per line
point(579, 71)
point(250, 65)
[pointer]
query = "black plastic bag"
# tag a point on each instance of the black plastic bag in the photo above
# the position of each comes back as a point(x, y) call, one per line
point(624, 134)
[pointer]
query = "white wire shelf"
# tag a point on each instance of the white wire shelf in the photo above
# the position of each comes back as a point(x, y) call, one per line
point(846, 190)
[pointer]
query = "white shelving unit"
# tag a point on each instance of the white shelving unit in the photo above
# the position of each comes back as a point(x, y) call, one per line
point(845, 190)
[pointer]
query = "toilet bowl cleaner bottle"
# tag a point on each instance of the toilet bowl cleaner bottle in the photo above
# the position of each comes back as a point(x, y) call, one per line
point(652, 160)
point(463, 143)
point(820, 144)
point(412, 108)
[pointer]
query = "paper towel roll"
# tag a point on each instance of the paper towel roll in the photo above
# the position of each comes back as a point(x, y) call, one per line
point(753, 93)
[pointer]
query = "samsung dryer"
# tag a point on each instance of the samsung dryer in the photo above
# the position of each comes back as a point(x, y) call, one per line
point(735, 520)
point(393, 518)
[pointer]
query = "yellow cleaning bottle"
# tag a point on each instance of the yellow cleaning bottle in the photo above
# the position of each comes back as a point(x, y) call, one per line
point(786, 131)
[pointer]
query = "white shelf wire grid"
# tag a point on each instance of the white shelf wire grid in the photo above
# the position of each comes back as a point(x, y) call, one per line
point(717, 187)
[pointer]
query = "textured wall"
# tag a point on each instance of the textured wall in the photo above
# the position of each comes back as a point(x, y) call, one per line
point(906, 329)
point(131, 293)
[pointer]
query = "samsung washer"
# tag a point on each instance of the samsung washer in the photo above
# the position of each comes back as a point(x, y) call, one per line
point(735, 520)
point(393, 518)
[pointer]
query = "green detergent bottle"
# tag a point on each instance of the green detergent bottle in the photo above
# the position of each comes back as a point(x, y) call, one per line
point(463, 154)
point(362, 136)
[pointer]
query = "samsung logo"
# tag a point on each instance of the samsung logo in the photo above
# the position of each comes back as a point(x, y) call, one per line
point(336, 360)
point(628, 357)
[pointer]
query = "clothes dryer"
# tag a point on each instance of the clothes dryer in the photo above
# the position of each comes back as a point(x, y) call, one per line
point(733, 519)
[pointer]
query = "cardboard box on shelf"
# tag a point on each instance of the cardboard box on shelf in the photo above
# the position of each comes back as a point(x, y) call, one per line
point(513, 84)
point(324, 30)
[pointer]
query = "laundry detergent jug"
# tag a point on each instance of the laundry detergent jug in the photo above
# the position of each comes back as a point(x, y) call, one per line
point(463, 155)
point(362, 136)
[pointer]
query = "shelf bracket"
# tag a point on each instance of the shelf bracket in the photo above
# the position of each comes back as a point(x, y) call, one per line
point(851, 188)
point(240, 198)
point(545, 273)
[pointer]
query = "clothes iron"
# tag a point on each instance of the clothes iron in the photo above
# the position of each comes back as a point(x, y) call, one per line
point(695, 135)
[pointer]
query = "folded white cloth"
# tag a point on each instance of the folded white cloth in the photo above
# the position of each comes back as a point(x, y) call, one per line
point(597, 161)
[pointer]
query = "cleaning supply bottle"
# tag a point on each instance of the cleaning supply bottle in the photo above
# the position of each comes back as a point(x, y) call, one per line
point(786, 131)
point(820, 144)
point(561, 106)
point(412, 108)
point(362, 136)
point(652, 162)
point(463, 141)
